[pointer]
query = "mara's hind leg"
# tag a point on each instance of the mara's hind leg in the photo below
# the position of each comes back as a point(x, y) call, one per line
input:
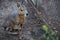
point(12, 25)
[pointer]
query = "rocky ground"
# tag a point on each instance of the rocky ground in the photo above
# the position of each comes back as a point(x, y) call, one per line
point(32, 26)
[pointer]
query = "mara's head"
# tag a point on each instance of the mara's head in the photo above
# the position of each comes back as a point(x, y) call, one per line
point(22, 9)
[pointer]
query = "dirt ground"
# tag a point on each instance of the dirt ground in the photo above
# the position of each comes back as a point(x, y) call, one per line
point(32, 26)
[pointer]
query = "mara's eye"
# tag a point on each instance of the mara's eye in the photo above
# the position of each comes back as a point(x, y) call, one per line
point(21, 10)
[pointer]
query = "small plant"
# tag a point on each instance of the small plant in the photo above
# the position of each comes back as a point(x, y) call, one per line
point(49, 34)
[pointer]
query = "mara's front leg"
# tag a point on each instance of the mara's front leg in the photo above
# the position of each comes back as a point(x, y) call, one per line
point(20, 32)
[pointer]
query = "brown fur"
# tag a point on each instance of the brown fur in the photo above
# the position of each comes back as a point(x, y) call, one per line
point(19, 19)
point(12, 23)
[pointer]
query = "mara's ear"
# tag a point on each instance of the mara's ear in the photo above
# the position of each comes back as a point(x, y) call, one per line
point(18, 5)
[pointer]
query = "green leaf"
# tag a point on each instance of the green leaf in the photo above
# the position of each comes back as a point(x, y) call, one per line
point(44, 35)
point(44, 27)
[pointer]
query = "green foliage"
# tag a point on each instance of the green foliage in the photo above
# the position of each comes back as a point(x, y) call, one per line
point(31, 38)
point(49, 34)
